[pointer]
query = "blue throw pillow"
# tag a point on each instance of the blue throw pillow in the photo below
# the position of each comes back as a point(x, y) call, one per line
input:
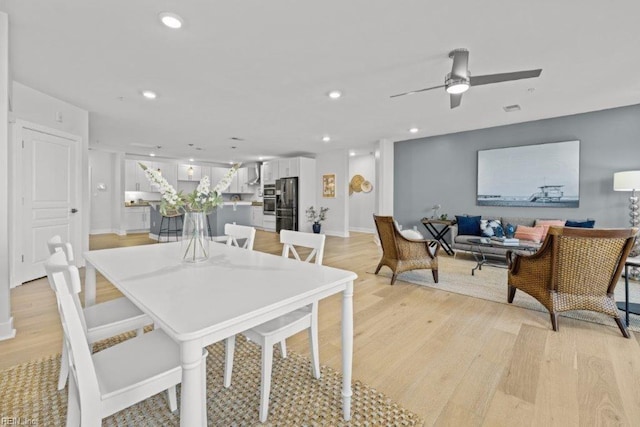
point(590, 223)
point(468, 225)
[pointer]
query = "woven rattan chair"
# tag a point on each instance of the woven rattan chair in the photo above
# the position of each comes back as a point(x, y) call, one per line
point(575, 269)
point(402, 254)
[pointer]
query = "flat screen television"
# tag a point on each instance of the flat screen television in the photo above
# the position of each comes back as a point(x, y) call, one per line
point(541, 175)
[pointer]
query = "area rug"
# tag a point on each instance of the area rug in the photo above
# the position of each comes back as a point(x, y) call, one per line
point(490, 283)
point(28, 395)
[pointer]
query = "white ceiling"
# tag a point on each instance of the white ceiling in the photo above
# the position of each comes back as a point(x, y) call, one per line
point(260, 70)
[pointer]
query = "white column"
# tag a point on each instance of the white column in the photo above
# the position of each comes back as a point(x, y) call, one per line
point(6, 321)
point(384, 177)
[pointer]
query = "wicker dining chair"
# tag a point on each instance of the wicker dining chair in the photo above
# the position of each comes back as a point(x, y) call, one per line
point(575, 269)
point(401, 254)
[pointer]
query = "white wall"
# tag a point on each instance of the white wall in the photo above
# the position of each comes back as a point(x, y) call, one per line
point(102, 165)
point(384, 154)
point(39, 108)
point(362, 205)
point(334, 162)
point(6, 321)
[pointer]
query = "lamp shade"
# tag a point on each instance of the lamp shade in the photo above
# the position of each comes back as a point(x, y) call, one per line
point(626, 181)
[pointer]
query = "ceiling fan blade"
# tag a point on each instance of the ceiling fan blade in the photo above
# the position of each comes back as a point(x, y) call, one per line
point(460, 66)
point(415, 91)
point(504, 77)
point(456, 98)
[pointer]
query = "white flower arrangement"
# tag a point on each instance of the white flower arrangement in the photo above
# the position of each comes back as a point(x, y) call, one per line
point(202, 199)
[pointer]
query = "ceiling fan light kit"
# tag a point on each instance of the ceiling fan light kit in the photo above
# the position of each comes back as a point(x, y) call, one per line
point(459, 80)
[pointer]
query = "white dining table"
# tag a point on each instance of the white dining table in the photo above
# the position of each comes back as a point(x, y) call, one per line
point(234, 290)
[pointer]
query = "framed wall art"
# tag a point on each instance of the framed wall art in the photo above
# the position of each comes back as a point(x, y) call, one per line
point(541, 175)
point(329, 185)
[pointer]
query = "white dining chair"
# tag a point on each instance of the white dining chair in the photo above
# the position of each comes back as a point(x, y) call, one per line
point(120, 376)
point(277, 330)
point(102, 320)
point(55, 244)
point(235, 232)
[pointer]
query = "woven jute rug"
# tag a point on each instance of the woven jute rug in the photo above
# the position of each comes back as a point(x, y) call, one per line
point(490, 284)
point(28, 395)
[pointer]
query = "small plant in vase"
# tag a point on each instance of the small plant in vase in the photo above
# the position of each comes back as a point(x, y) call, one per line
point(316, 217)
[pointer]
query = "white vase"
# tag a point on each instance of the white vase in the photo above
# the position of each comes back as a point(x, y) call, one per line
point(195, 242)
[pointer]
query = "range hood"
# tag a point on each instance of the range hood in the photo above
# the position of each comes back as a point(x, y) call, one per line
point(256, 181)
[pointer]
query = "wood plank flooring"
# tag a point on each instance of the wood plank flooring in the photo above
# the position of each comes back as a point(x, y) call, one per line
point(452, 359)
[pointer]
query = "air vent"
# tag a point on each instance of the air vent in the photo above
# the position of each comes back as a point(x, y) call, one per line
point(511, 108)
point(235, 138)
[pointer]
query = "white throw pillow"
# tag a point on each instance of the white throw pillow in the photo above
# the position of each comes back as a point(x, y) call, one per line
point(412, 234)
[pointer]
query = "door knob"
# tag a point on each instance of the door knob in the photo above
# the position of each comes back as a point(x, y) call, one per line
point(74, 210)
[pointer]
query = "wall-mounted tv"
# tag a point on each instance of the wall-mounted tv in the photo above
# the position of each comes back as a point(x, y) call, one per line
point(541, 175)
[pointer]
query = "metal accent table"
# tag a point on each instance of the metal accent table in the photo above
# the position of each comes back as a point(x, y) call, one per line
point(626, 305)
point(439, 235)
point(481, 259)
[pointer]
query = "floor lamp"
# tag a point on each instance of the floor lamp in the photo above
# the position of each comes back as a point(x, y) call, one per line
point(630, 181)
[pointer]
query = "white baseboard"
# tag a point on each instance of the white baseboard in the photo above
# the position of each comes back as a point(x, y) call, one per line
point(6, 330)
point(335, 233)
point(363, 230)
point(104, 231)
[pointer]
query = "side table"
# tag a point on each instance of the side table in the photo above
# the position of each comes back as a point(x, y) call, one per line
point(626, 306)
point(438, 235)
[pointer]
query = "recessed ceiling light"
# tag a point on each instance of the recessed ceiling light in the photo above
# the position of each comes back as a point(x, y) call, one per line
point(191, 160)
point(231, 162)
point(260, 158)
point(334, 94)
point(170, 20)
point(352, 153)
point(152, 154)
point(149, 94)
point(414, 130)
point(326, 138)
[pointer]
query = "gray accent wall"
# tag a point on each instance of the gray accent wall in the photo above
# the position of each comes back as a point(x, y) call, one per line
point(443, 169)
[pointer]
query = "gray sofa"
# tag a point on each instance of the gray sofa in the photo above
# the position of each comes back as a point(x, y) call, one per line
point(461, 242)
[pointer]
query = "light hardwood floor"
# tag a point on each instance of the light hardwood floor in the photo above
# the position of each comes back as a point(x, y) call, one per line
point(452, 359)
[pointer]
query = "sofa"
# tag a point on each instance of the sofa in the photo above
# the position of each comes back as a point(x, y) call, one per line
point(460, 241)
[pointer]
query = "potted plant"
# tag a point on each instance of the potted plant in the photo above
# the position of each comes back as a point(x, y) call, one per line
point(316, 217)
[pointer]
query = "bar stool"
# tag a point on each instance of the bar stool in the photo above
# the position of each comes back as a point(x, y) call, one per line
point(167, 231)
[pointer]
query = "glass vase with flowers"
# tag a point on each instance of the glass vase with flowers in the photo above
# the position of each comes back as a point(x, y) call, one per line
point(195, 206)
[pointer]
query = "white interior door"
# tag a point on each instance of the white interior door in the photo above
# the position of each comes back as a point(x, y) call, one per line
point(49, 197)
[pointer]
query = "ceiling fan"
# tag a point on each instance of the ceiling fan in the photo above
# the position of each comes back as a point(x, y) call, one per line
point(459, 80)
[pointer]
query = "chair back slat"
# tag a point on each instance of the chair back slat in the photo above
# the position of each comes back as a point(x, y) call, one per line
point(235, 232)
point(81, 364)
point(290, 239)
point(65, 279)
point(56, 244)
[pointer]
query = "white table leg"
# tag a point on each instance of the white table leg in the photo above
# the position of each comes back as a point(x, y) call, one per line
point(89, 285)
point(192, 406)
point(347, 349)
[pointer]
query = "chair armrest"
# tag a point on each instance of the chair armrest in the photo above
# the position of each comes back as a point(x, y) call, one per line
point(414, 248)
point(515, 260)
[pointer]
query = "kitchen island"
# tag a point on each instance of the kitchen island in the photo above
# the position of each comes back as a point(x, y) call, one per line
point(228, 212)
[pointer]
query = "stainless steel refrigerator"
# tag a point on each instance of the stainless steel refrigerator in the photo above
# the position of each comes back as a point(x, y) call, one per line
point(287, 204)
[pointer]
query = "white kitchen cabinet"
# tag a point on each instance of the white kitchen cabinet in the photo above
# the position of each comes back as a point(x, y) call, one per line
point(217, 173)
point(243, 178)
point(169, 172)
point(189, 173)
point(269, 222)
point(288, 168)
point(256, 216)
point(270, 172)
point(136, 219)
point(134, 177)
